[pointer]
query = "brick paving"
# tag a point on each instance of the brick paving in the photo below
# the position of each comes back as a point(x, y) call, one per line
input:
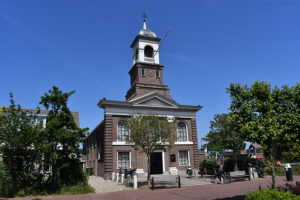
point(232, 191)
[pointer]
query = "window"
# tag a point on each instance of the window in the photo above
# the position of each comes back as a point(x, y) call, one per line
point(124, 160)
point(143, 72)
point(184, 158)
point(157, 73)
point(148, 51)
point(136, 54)
point(181, 131)
point(122, 131)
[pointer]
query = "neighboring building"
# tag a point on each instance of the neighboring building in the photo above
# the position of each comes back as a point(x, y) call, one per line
point(108, 151)
point(43, 115)
point(256, 151)
point(239, 154)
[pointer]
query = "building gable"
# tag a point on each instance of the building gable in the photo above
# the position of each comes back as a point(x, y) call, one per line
point(154, 100)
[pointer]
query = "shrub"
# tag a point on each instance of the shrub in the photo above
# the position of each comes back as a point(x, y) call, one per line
point(296, 169)
point(21, 193)
point(6, 184)
point(80, 188)
point(271, 194)
point(242, 163)
point(295, 189)
point(280, 170)
point(209, 165)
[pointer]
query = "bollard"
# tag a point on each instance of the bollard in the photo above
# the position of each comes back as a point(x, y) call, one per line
point(117, 177)
point(128, 179)
point(152, 182)
point(135, 181)
point(251, 173)
point(113, 176)
point(179, 182)
point(122, 178)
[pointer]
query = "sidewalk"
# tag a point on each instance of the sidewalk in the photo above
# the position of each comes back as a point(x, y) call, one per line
point(232, 191)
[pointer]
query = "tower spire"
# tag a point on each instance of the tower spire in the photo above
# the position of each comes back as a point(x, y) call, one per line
point(144, 16)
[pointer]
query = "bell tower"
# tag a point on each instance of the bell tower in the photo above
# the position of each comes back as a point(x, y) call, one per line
point(146, 75)
point(145, 46)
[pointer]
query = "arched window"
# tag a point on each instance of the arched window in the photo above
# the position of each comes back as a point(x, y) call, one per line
point(181, 131)
point(148, 51)
point(122, 130)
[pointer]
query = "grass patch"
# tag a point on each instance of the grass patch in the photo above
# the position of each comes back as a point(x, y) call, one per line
point(80, 188)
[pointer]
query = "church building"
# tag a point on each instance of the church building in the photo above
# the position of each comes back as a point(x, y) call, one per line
point(108, 151)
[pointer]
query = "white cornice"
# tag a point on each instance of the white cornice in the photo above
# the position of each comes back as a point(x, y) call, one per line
point(183, 143)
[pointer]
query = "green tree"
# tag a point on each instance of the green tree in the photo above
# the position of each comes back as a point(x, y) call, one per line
point(266, 116)
point(62, 150)
point(2, 109)
point(6, 184)
point(21, 144)
point(223, 135)
point(149, 133)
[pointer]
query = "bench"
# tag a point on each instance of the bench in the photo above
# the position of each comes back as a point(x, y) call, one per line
point(238, 175)
point(164, 181)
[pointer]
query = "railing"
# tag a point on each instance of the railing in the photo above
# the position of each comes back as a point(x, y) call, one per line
point(149, 59)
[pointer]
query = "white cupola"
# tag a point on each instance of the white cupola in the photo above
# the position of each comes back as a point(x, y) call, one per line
point(145, 46)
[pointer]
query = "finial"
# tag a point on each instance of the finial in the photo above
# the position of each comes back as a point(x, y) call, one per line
point(144, 16)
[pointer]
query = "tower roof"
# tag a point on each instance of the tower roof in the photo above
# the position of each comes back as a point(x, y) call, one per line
point(147, 32)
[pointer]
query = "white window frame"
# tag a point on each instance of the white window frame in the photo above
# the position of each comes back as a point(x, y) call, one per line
point(189, 162)
point(121, 141)
point(187, 133)
point(157, 72)
point(40, 118)
point(118, 158)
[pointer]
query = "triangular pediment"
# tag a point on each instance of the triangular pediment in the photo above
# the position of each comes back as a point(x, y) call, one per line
point(154, 100)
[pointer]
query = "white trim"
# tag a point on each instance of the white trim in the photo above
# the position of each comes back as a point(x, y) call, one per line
point(118, 131)
point(158, 73)
point(124, 143)
point(187, 132)
point(141, 96)
point(183, 142)
point(163, 161)
point(125, 114)
point(118, 158)
point(163, 111)
point(172, 105)
point(162, 157)
point(188, 158)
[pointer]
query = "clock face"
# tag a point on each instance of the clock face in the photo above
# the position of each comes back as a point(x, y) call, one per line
point(151, 73)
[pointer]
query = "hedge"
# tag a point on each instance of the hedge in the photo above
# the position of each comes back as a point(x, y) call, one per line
point(280, 170)
point(271, 194)
point(242, 164)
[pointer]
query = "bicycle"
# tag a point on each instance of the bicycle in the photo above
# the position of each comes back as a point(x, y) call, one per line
point(224, 177)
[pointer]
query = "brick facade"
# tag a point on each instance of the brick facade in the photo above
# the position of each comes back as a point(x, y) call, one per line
point(100, 142)
point(147, 95)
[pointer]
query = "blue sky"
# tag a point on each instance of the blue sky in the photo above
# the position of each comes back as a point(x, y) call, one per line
point(84, 46)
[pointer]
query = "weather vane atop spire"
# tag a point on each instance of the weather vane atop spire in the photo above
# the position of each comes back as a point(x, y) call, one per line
point(144, 15)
